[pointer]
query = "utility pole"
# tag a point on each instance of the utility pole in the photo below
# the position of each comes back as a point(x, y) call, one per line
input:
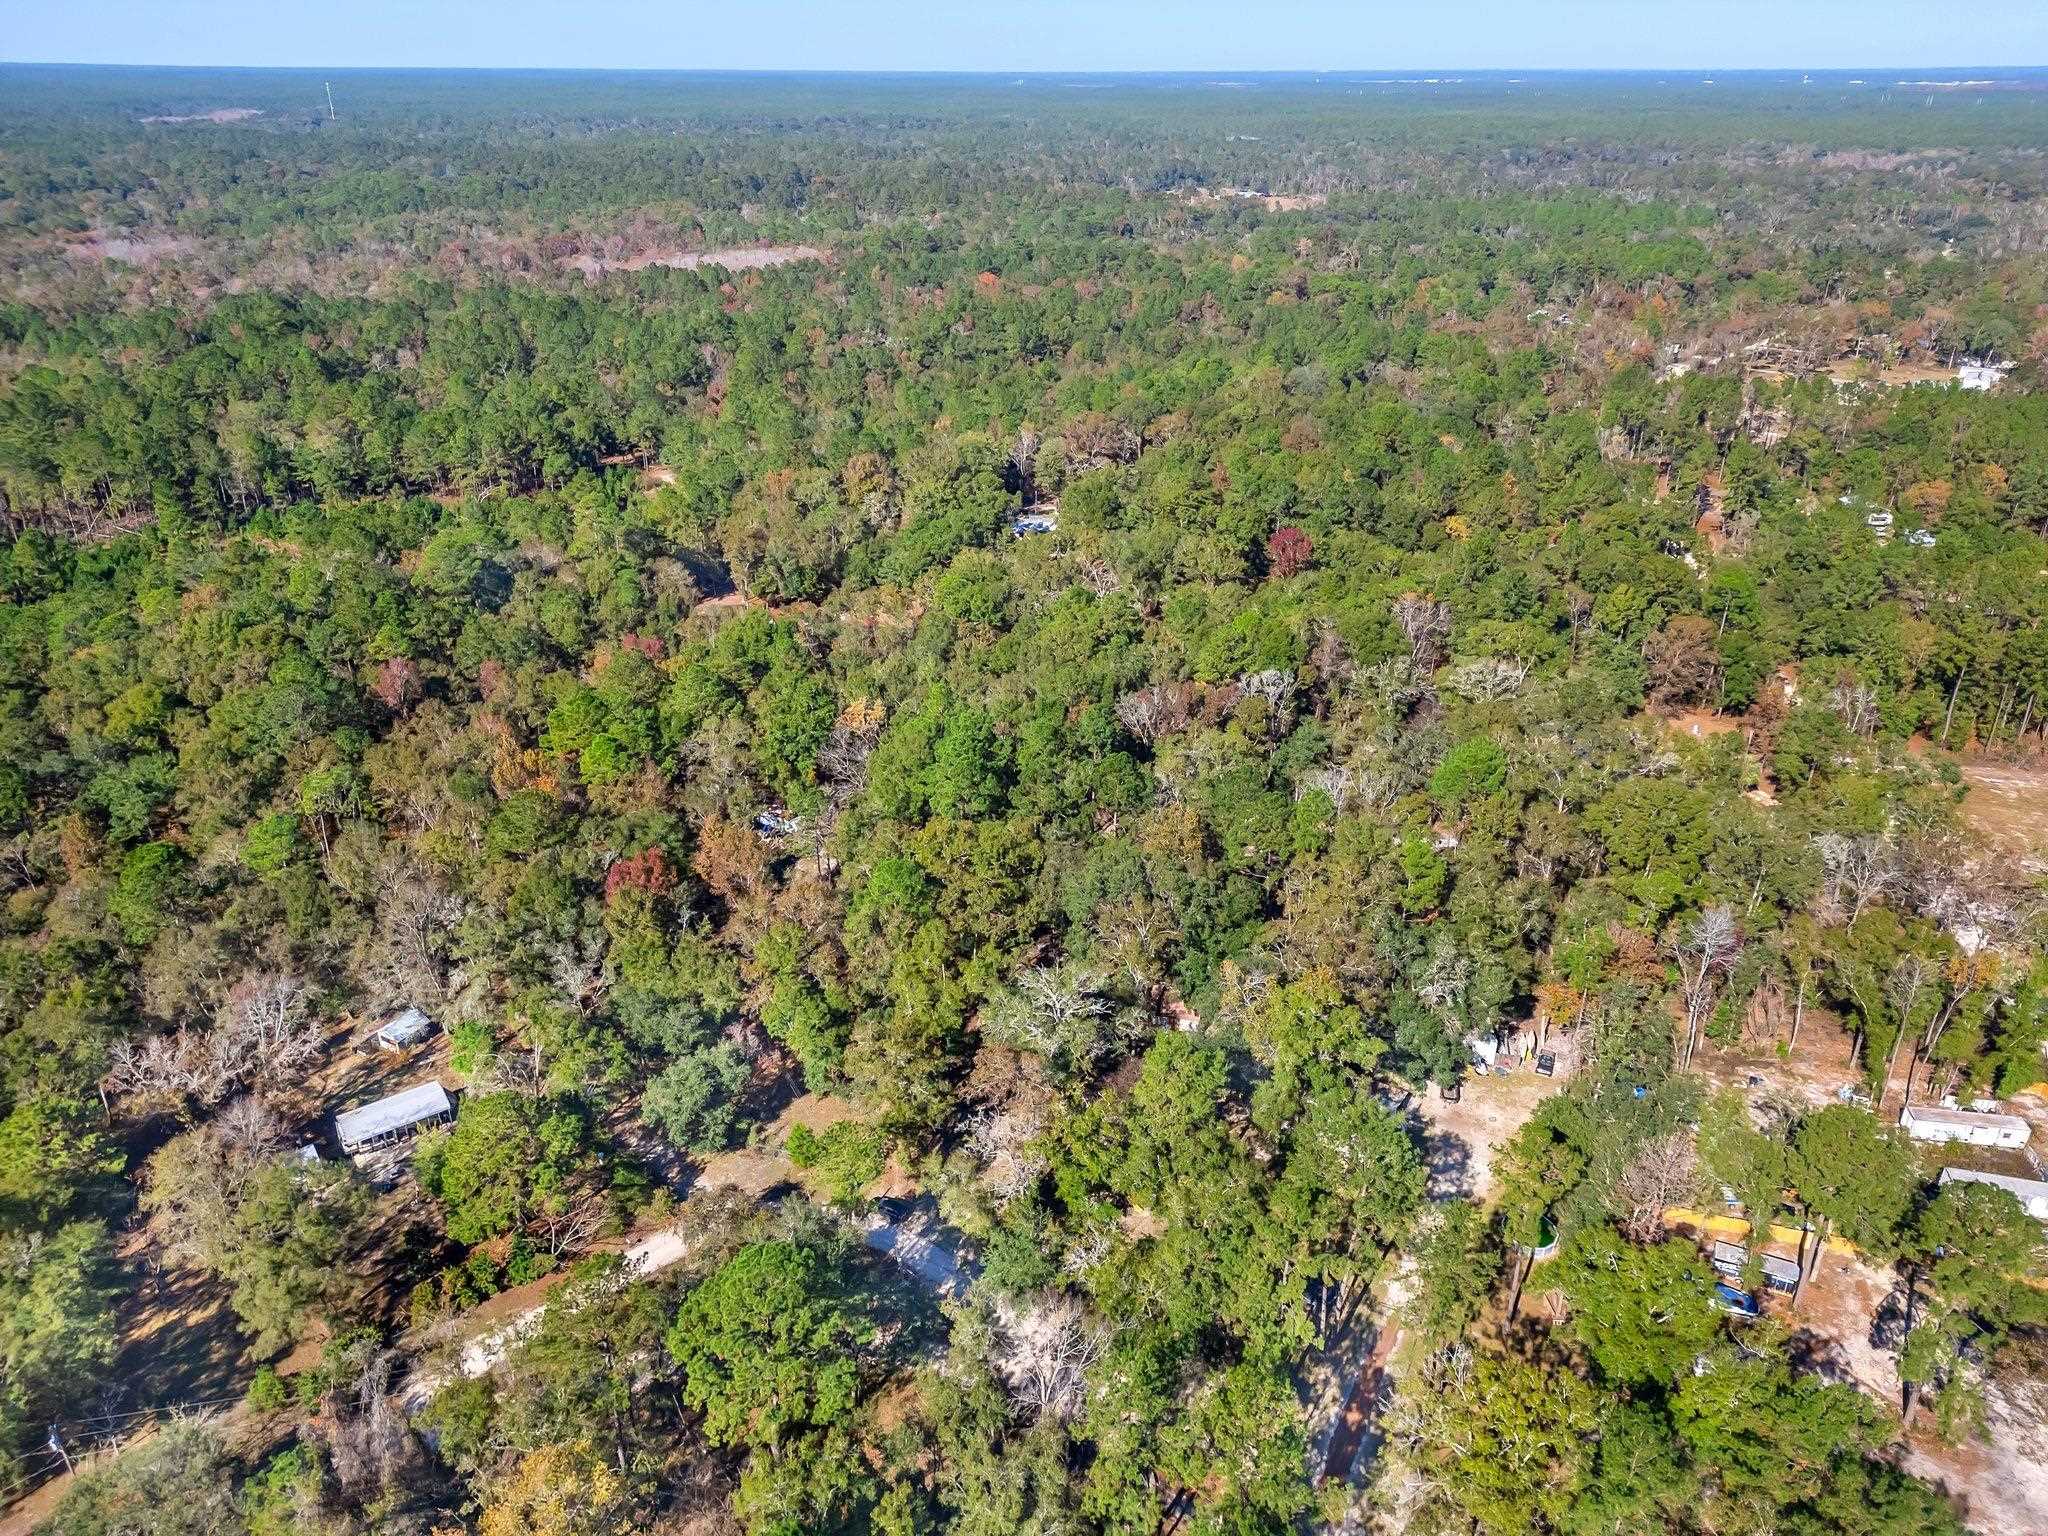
point(330, 100)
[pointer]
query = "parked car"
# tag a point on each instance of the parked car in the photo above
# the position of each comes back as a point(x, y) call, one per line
point(1734, 1301)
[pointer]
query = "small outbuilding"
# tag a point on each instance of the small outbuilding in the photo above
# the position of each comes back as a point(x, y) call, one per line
point(397, 1118)
point(1780, 1274)
point(404, 1029)
point(1929, 1122)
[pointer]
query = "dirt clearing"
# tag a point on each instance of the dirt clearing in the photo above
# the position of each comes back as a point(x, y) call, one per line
point(2000, 1481)
point(2008, 803)
point(1806, 1075)
point(751, 258)
point(217, 115)
point(1460, 1140)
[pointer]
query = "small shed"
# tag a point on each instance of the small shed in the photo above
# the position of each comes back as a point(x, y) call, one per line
point(1780, 1274)
point(2032, 1194)
point(393, 1119)
point(403, 1029)
point(1928, 1122)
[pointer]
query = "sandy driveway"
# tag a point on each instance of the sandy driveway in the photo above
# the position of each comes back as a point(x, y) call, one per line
point(914, 1239)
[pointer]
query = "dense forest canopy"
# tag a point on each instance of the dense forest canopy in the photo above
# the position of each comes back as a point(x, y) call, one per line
point(1053, 656)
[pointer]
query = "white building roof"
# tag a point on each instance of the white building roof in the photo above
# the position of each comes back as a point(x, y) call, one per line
point(407, 1025)
point(1781, 1269)
point(1962, 1119)
point(2031, 1193)
point(426, 1101)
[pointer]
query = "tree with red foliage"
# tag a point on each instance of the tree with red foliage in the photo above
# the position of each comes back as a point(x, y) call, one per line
point(1288, 551)
point(648, 870)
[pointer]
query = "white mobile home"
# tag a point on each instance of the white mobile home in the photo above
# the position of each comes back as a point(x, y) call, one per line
point(394, 1119)
point(2032, 1194)
point(1928, 1122)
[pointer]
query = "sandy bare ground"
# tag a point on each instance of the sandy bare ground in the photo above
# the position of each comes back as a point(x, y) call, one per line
point(1459, 1140)
point(1842, 1331)
point(2008, 803)
point(217, 115)
point(751, 258)
point(1847, 1331)
point(1807, 1075)
point(133, 250)
point(2001, 1482)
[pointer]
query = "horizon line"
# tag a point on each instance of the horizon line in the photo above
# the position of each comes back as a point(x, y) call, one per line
point(1418, 73)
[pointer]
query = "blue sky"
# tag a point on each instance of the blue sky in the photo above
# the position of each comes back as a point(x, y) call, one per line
point(1032, 34)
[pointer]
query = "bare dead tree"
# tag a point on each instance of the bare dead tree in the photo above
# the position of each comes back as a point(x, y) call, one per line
point(1099, 577)
point(1136, 932)
point(1330, 657)
point(1489, 678)
point(1003, 1141)
point(577, 969)
point(1427, 624)
point(1907, 985)
point(1663, 1174)
point(248, 1127)
point(1155, 712)
point(1859, 870)
point(406, 955)
point(843, 760)
point(1046, 1352)
point(1704, 951)
point(521, 1072)
point(1334, 782)
point(576, 1224)
point(368, 1442)
point(1275, 686)
point(1023, 461)
point(1087, 1251)
point(1856, 704)
point(1446, 980)
point(266, 1035)
point(1094, 440)
point(167, 1069)
point(197, 1181)
point(1399, 684)
point(1056, 1012)
point(1430, 1423)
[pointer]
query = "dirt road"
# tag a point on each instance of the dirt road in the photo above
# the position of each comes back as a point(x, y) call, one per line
point(908, 1232)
